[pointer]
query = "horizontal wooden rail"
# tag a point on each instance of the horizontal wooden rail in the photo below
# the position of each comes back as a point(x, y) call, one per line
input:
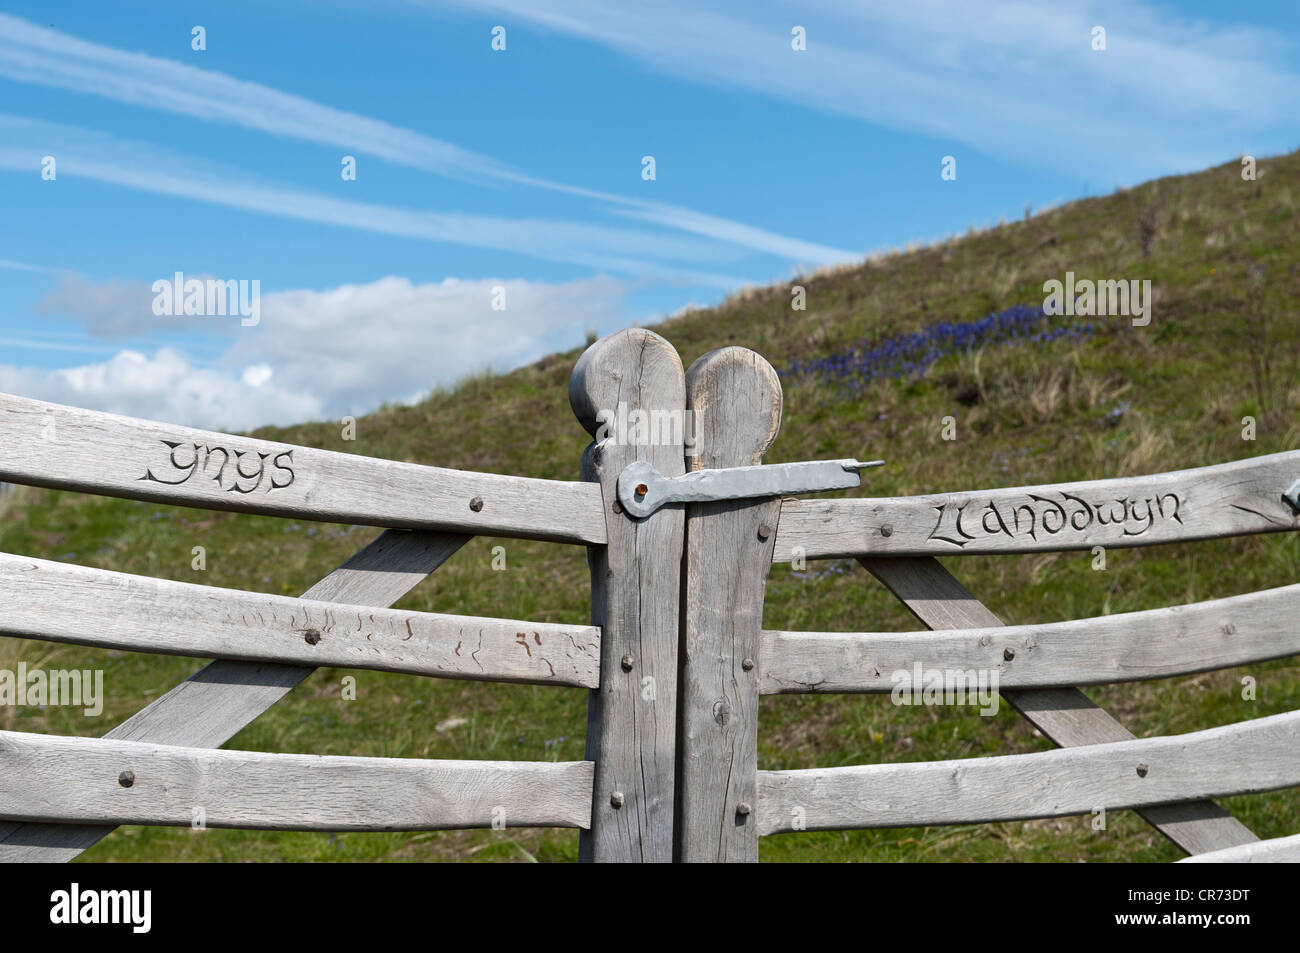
point(100, 781)
point(1242, 758)
point(1129, 646)
point(1065, 715)
point(67, 448)
point(62, 603)
point(222, 698)
point(1230, 499)
point(1279, 850)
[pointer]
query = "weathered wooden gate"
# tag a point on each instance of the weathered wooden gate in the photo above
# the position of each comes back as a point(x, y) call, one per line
point(675, 658)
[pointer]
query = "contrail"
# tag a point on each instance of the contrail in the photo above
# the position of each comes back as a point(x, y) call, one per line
point(96, 155)
point(41, 56)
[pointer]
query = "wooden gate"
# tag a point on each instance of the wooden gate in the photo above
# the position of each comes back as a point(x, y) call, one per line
point(675, 658)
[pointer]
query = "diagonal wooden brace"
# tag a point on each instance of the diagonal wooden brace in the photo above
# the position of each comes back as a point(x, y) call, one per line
point(1065, 715)
point(214, 704)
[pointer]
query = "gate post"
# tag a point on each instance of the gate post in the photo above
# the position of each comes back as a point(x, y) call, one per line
point(735, 399)
point(626, 390)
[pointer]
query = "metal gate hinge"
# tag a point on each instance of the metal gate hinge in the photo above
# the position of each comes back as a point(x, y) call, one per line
point(642, 489)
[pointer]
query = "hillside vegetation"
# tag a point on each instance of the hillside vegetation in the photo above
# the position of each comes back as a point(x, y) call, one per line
point(883, 352)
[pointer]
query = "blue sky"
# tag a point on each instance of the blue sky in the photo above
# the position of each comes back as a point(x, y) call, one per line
point(521, 169)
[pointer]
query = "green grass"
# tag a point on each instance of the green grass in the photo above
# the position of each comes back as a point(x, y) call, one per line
point(1025, 415)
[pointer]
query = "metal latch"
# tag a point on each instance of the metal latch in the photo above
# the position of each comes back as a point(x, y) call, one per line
point(642, 489)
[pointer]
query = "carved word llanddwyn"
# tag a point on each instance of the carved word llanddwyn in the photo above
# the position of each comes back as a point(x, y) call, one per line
point(961, 524)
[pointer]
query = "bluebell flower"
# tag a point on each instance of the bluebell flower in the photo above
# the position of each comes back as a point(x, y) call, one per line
point(912, 354)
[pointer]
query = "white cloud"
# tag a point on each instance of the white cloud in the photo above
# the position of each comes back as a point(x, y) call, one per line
point(359, 344)
point(165, 386)
point(255, 375)
point(324, 354)
point(109, 309)
point(1018, 80)
point(33, 54)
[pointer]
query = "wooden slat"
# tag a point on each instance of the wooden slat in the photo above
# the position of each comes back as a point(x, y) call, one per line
point(1247, 757)
point(735, 396)
point(68, 448)
point(635, 592)
point(48, 778)
point(1230, 499)
point(211, 706)
point(1065, 715)
point(1279, 850)
point(63, 603)
point(1156, 643)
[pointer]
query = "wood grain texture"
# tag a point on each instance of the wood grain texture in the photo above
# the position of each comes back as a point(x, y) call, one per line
point(211, 706)
point(1230, 499)
point(51, 778)
point(1247, 757)
point(1065, 715)
point(1279, 850)
point(635, 593)
point(735, 397)
point(72, 449)
point(62, 603)
point(1156, 643)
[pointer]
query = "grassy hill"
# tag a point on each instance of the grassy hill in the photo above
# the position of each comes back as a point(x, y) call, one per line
point(881, 355)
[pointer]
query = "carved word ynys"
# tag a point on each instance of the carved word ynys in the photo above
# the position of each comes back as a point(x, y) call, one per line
point(238, 471)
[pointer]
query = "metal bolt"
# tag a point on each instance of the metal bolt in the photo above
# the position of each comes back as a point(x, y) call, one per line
point(476, 504)
point(312, 636)
point(628, 662)
point(1292, 496)
point(617, 507)
point(747, 664)
point(642, 489)
point(126, 778)
point(887, 530)
point(764, 531)
point(1008, 653)
point(616, 800)
point(743, 809)
point(1142, 770)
